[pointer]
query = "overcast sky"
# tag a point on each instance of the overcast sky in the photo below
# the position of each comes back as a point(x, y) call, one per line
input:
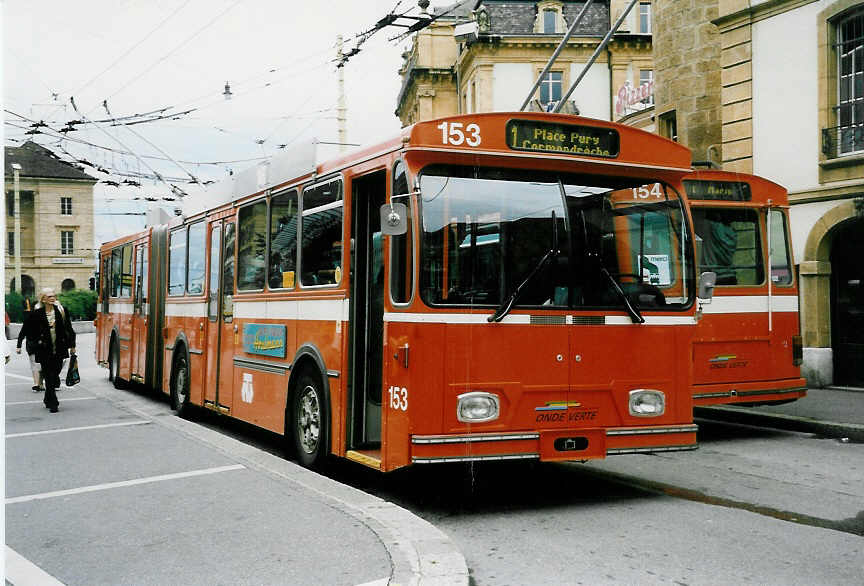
point(143, 56)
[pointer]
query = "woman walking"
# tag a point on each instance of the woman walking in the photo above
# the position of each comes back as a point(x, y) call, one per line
point(52, 339)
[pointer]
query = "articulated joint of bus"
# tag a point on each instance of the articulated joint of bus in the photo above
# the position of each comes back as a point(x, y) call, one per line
point(552, 445)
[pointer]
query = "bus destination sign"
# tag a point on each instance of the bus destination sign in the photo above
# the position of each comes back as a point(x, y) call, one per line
point(719, 190)
point(548, 137)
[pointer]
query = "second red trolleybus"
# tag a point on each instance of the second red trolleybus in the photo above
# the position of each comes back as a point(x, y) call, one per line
point(482, 287)
point(747, 349)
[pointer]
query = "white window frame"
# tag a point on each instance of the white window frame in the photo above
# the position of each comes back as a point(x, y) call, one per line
point(67, 248)
point(645, 18)
point(65, 206)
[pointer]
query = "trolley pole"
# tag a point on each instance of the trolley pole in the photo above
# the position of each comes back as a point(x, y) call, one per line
point(341, 117)
point(16, 169)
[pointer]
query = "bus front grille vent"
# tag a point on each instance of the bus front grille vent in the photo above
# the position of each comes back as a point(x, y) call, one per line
point(589, 320)
point(548, 320)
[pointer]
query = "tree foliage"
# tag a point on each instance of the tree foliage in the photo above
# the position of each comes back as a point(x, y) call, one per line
point(80, 303)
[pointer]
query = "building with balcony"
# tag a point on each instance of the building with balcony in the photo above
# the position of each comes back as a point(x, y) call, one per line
point(486, 56)
point(776, 88)
point(56, 207)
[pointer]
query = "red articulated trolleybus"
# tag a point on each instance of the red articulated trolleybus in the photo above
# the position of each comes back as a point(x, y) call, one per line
point(747, 348)
point(483, 287)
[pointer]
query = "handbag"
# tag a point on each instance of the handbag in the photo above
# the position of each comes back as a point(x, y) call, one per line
point(72, 376)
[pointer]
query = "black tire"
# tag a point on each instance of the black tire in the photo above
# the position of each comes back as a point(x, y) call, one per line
point(114, 365)
point(309, 423)
point(180, 386)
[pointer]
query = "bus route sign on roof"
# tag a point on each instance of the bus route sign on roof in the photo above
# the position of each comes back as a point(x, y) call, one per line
point(548, 137)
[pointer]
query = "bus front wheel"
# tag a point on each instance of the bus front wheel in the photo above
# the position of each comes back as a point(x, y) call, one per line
point(309, 421)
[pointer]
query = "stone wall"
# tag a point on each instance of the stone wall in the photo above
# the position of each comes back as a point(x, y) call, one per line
point(687, 72)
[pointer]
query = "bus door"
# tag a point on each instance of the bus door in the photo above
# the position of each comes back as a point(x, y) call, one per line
point(366, 326)
point(220, 314)
point(139, 314)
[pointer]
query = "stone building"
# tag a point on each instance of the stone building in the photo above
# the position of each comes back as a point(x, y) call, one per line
point(776, 88)
point(486, 56)
point(56, 204)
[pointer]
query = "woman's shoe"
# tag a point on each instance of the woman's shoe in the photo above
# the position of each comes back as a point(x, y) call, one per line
point(53, 409)
point(37, 389)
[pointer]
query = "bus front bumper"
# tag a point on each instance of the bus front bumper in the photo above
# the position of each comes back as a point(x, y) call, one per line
point(552, 445)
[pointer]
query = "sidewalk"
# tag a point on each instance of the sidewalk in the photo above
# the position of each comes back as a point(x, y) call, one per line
point(832, 412)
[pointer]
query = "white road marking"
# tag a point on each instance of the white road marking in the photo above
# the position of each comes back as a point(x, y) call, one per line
point(29, 383)
point(122, 484)
point(30, 378)
point(39, 401)
point(22, 572)
point(381, 582)
point(64, 430)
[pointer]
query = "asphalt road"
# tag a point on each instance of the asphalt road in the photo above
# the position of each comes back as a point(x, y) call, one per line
point(751, 506)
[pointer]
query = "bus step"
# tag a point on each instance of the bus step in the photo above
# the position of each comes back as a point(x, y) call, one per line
point(371, 458)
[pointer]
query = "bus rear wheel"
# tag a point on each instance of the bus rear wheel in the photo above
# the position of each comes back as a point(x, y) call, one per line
point(114, 365)
point(180, 387)
point(309, 422)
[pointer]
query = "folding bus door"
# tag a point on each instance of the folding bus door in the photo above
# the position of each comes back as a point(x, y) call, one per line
point(366, 328)
point(220, 314)
point(139, 314)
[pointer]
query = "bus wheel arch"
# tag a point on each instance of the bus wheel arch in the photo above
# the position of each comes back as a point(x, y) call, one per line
point(308, 409)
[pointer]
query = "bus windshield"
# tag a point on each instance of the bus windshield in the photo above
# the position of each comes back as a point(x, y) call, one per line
point(530, 238)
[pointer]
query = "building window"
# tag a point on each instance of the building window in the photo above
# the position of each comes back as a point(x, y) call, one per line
point(10, 247)
point(645, 18)
point(550, 89)
point(67, 285)
point(669, 125)
point(549, 18)
point(850, 96)
point(65, 206)
point(67, 242)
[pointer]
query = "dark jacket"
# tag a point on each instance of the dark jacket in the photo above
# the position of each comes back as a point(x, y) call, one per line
point(29, 333)
point(39, 335)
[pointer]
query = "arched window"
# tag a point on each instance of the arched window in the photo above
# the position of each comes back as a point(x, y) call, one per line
point(67, 285)
point(28, 288)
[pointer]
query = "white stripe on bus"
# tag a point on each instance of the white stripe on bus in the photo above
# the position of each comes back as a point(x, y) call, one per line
point(185, 309)
point(302, 309)
point(750, 304)
point(121, 307)
point(524, 319)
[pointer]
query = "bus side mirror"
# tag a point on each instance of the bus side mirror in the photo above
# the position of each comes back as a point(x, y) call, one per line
point(707, 281)
point(394, 219)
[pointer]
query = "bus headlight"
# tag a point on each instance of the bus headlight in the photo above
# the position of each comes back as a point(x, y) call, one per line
point(647, 403)
point(477, 407)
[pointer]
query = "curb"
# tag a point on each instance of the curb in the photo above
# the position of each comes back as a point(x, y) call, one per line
point(420, 553)
point(832, 429)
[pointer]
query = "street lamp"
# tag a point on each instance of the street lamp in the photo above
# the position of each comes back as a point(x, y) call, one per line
point(16, 169)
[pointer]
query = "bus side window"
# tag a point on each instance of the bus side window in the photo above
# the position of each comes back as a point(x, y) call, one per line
point(197, 253)
point(177, 262)
point(251, 246)
point(116, 268)
point(283, 241)
point(321, 251)
point(402, 246)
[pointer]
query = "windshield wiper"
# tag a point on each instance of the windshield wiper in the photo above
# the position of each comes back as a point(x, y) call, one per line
point(635, 316)
point(553, 252)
